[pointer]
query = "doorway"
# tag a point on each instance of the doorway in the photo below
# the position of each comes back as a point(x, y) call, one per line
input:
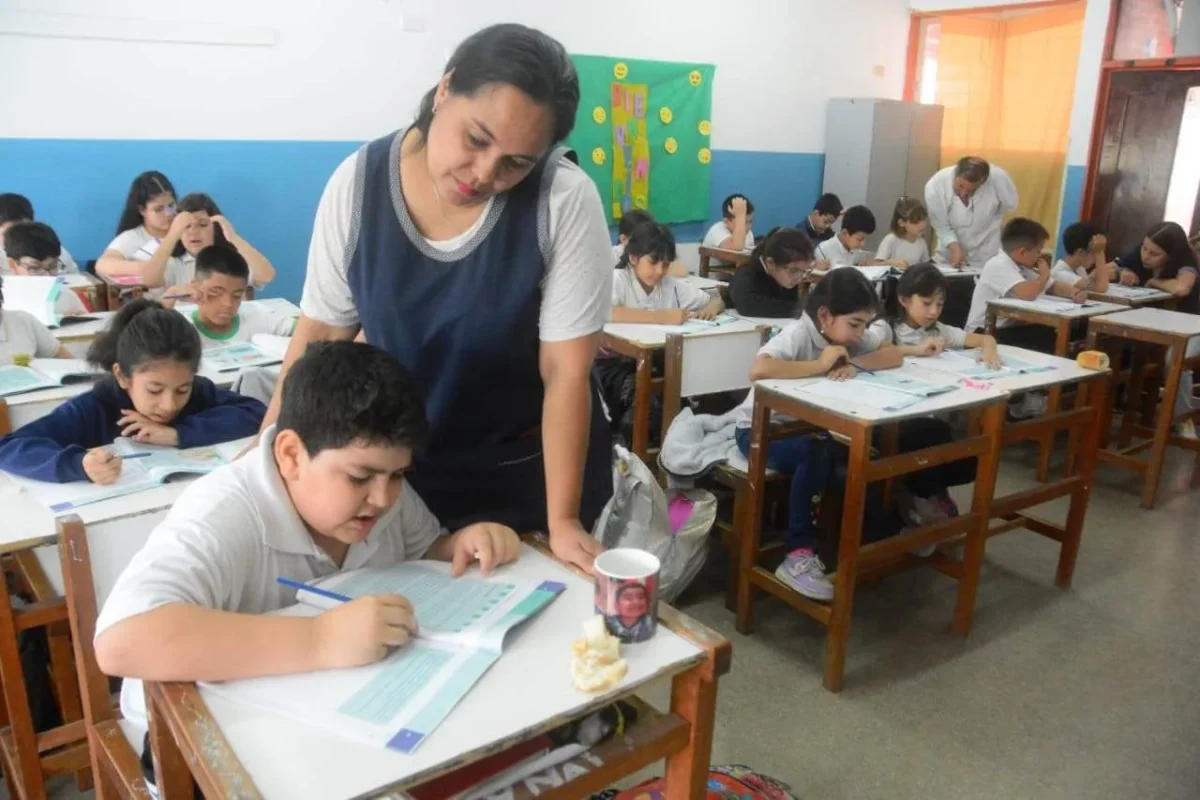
point(1148, 167)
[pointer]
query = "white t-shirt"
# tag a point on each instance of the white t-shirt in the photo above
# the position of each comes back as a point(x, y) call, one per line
point(975, 224)
point(837, 253)
point(136, 244)
point(231, 534)
point(800, 341)
point(618, 251)
point(66, 263)
point(905, 334)
point(1000, 274)
point(251, 319)
point(719, 232)
point(1062, 272)
point(575, 290)
point(671, 293)
point(893, 247)
point(22, 335)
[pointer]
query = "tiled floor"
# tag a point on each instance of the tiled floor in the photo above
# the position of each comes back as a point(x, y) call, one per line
point(1085, 693)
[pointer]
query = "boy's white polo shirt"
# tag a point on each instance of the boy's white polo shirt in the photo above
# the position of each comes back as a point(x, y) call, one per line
point(230, 535)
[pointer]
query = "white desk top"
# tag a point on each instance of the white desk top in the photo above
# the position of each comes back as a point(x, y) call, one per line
point(656, 335)
point(56, 395)
point(276, 305)
point(960, 398)
point(1051, 307)
point(528, 686)
point(89, 329)
point(1066, 370)
point(769, 322)
point(704, 284)
point(1135, 294)
point(1160, 319)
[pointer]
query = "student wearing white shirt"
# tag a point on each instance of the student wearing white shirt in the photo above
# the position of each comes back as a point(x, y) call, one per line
point(22, 337)
point(207, 227)
point(148, 236)
point(845, 249)
point(33, 249)
point(324, 491)
point(218, 289)
point(904, 244)
point(643, 291)
point(733, 231)
point(967, 203)
point(16, 208)
point(1085, 265)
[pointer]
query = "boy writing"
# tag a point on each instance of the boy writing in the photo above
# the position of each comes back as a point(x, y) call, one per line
point(819, 223)
point(324, 491)
point(844, 250)
point(218, 287)
point(32, 248)
point(1084, 266)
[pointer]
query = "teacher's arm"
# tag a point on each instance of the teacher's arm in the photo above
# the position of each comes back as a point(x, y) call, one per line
point(939, 195)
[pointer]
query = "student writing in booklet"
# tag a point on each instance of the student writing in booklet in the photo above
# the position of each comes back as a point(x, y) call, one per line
point(324, 491)
point(1084, 266)
point(23, 337)
point(148, 234)
point(33, 249)
point(151, 394)
point(630, 220)
point(844, 250)
point(16, 208)
point(642, 291)
point(818, 225)
point(769, 284)
point(222, 276)
point(207, 226)
point(904, 244)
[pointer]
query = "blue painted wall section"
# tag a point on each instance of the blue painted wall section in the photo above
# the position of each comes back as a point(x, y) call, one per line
point(270, 189)
point(1072, 200)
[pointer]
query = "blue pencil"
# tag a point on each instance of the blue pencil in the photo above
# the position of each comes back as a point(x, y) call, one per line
point(861, 368)
point(304, 587)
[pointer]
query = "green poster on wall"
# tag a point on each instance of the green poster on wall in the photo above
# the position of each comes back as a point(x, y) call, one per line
point(642, 133)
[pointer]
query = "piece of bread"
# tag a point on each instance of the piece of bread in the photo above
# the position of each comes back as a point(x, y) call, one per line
point(596, 663)
point(1092, 359)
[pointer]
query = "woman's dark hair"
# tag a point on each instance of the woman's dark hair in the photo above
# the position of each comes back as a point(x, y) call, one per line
point(922, 280)
point(908, 209)
point(843, 291)
point(783, 246)
point(649, 239)
point(199, 201)
point(1174, 242)
point(145, 187)
point(519, 56)
point(141, 332)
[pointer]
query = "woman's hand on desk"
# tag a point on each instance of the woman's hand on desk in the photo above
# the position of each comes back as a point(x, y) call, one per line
point(145, 430)
point(1129, 278)
point(101, 466)
point(489, 542)
point(572, 545)
point(361, 631)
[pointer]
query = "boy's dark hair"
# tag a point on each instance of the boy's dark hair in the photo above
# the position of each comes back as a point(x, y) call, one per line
point(340, 393)
point(631, 219)
point(1078, 236)
point(15, 208)
point(973, 168)
point(783, 246)
point(518, 56)
point(1174, 242)
point(727, 206)
point(828, 203)
point(143, 332)
point(224, 259)
point(922, 280)
point(649, 239)
point(1022, 232)
point(858, 219)
point(908, 209)
point(843, 291)
point(145, 187)
point(35, 240)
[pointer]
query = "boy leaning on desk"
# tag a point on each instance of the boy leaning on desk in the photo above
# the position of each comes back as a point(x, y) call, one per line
point(324, 491)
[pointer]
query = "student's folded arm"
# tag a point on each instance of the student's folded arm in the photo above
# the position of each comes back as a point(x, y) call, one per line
point(51, 449)
point(228, 416)
point(1027, 290)
point(766, 367)
point(262, 271)
point(1062, 289)
point(640, 316)
point(1180, 286)
point(886, 357)
point(114, 264)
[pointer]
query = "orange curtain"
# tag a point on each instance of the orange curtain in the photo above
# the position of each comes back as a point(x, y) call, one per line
point(1007, 83)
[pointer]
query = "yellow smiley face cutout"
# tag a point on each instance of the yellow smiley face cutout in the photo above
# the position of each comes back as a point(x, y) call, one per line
point(599, 156)
point(705, 127)
point(670, 145)
point(694, 77)
point(641, 202)
point(620, 70)
point(665, 115)
point(705, 155)
point(599, 115)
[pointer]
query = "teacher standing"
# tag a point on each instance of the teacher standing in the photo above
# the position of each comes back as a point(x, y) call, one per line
point(967, 203)
point(478, 254)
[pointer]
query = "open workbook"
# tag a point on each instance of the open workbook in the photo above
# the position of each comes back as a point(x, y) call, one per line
point(37, 295)
point(233, 357)
point(45, 373)
point(399, 701)
point(966, 364)
point(888, 390)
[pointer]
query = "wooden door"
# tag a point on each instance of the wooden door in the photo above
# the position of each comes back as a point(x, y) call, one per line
point(1142, 117)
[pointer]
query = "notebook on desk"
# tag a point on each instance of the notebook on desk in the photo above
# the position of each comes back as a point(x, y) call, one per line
point(233, 357)
point(37, 295)
point(45, 373)
point(966, 364)
point(397, 702)
point(887, 391)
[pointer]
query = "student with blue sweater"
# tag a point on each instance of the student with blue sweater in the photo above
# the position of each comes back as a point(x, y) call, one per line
point(153, 396)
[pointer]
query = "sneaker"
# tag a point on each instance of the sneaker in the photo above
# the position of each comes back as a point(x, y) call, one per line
point(1186, 429)
point(947, 504)
point(803, 571)
point(928, 510)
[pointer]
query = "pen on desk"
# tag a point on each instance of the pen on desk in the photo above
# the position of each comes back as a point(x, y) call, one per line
point(123, 457)
point(861, 368)
point(304, 587)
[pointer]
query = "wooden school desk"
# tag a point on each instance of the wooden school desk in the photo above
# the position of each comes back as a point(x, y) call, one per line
point(78, 336)
point(1047, 312)
point(235, 750)
point(858, 423)
point(1145, 328)
point(732, 259)
point(1134, 297)
point(27, 536)
point(641, 342)
point(89, 288)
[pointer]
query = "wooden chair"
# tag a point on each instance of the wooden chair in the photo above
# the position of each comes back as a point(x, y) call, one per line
point(728, 262)
point(113, 744)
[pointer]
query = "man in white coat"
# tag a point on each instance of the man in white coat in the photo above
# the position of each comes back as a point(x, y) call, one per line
point(967, 203)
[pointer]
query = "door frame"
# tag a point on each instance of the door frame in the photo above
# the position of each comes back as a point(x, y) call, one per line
point(1108, 67)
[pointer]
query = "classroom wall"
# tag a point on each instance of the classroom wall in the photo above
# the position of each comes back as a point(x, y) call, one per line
point(256, 103)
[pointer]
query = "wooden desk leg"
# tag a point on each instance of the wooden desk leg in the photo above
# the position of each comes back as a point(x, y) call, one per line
point(1096, 391)
point(1162, 429)
point(847, 564)
point(750, 536)
point(171, 774)
point(889, 447)
point(1133, 394)
point(987, 465)
point(1062, 344)
point(20, 719)
point(1082, 398)
point(693, 697)
point(642, 385)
